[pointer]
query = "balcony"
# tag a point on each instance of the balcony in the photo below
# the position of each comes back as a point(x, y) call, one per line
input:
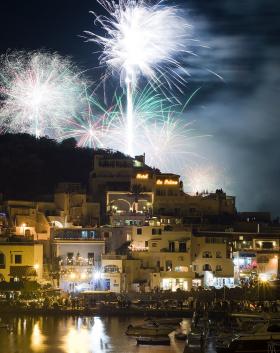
point(76, 262)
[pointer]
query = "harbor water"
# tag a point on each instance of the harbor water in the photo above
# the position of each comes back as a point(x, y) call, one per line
point(52, 334)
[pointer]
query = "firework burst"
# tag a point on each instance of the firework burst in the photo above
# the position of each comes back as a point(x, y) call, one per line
point(37, 90)
point(91, 126)
point(141, 40)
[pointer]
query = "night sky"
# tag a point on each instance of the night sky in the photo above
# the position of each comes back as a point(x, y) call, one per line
point(239, 112)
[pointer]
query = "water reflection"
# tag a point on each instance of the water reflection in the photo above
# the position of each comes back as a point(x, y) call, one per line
point(86, 335)
point(75, 335)
point(37, 338)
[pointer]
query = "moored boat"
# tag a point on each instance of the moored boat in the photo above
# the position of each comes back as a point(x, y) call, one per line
point(155, 341)
point(259, 339)
point(148, 330)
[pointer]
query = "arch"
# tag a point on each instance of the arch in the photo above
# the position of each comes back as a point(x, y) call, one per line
point(207, 267)
point(114, 202)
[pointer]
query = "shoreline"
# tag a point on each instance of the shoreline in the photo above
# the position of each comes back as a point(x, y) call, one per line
point(99, 312)
point(106, 312)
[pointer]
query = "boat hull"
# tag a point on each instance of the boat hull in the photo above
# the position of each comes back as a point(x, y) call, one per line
point(153, 341)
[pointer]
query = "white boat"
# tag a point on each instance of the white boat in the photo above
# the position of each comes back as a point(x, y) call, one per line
point(259, 340)
point(148, 330)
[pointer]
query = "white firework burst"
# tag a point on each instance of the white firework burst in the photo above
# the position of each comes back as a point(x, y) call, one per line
point(37, 90)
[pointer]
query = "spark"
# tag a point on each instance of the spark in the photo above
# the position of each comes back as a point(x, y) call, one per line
point(161, 132)
point(204, 177)
point(161, 129)
point(90, 127)
point(141, 39)
point(37, 90)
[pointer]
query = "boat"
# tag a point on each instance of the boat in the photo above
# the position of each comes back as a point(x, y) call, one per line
point(166, 321)
point(154, 341)
point(148, 330)
point(259, 339)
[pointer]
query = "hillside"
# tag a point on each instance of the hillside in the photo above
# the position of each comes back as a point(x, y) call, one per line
point(30, 167)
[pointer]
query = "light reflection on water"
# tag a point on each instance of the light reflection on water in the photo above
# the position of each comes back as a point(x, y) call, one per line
point(75, 335)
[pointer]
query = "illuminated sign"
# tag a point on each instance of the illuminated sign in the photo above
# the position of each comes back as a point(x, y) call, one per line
point(142, 176)
point(167, 182)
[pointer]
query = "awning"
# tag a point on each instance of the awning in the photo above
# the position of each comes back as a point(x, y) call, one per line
point(22, 271)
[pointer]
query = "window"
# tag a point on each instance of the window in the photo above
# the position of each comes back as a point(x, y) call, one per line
point(156, 231)
point(154, 245)
point(111, 269)
point(18, 259)
point(171, 246)
point(219, 268)
point(91, 258)
point(207, 254)
point(207, 267)
point(146, 244)
point(2, 260)
point(139, 231)
point(182, 247)
point(218, 254)
point(168, 265)
point(267, 245)
point(70, 256)
point(106, 235)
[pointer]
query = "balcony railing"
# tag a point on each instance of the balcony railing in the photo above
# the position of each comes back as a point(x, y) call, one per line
point(74, 262)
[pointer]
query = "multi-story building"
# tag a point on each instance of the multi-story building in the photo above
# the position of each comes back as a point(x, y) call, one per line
point(76, 256)
point(165, 256)
point(127, 186)
point(21, 260)
point(120, 274)
point(212, 260)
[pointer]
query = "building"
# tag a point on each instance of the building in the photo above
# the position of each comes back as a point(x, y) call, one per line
point(21, 260)
point(76, 257)
point(212, 261)
point(165, 255)
point(126, 186)
point(120, 274)
point(73, 207)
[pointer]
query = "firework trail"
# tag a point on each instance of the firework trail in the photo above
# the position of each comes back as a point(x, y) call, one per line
point(166, 140)
point(37, 90)
point(91, 126)
point(141, 40)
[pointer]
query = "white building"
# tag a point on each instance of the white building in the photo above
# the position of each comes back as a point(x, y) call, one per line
point(77, 253)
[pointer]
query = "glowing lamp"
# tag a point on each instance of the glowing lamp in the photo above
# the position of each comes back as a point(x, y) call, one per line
point(72, 275)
